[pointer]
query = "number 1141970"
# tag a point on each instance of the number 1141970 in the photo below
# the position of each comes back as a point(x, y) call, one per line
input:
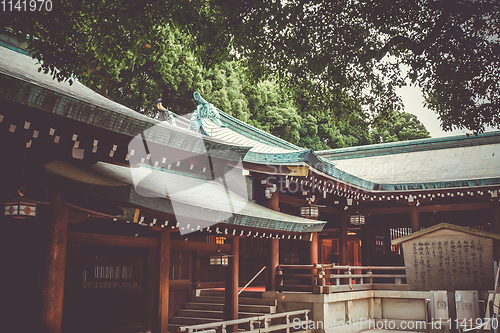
point(26, 5)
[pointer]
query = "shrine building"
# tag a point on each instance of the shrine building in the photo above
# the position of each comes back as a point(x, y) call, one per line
point(123, 218)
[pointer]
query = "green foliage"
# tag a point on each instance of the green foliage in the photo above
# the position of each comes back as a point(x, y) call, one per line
point(451, 47)
point(166, 70)
point(398, 127)
point(304, 74)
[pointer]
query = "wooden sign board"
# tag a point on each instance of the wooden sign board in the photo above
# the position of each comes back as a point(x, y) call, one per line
point(449, 260)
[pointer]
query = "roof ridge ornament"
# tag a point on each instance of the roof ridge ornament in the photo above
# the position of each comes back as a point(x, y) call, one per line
point(205, 110)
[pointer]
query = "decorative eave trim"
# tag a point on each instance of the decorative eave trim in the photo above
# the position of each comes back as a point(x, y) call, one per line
point(26, 93)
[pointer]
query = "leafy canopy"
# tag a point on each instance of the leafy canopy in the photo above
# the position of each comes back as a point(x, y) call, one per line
point(452, 48)
point(307, 93)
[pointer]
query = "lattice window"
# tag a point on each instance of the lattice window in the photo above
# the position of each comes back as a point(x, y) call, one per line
point(179, 266)
point(397, 233)
point(102, 271)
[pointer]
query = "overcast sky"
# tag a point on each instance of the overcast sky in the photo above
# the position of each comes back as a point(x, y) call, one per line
point(413, 101)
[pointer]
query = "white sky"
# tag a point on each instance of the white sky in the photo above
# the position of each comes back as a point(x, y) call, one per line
point(413, 102)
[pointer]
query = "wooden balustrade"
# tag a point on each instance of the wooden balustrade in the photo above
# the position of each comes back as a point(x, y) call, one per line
point(332, 278)
point(258, 324)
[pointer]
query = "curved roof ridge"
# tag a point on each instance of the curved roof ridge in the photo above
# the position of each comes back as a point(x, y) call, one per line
point(21, 82)
point(409, 146)
point(255, 133)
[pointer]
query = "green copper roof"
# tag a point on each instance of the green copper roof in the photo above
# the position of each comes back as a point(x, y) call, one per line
point(255, 133)
point(21, 82)
point(183, 196)
point(411, 146)
point(453, 162)
point(441, 163)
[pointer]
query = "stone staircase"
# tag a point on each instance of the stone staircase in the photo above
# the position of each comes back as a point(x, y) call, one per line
point(208, 308)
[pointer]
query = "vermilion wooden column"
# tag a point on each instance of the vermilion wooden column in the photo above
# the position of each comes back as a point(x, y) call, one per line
point(414, 218)
point(313, 249)
point(231, 285)
point(273, 249)
point(343, 255)
point(368, 242)
point(55, 264)
point(313, 254)
point(197, 270)
point(496, 227)
point(164, 279)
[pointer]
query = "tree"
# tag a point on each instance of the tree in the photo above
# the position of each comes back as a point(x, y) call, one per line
point(451, 47)
point(166, 70)
point(127, 51)
point(398, 127)
point(133, 53)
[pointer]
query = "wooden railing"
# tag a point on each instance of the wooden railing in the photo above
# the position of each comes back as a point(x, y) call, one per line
point(326, 278)
point(252, 279)
point(258, 324)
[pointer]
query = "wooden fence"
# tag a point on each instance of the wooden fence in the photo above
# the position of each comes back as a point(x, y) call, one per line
point(328, 278)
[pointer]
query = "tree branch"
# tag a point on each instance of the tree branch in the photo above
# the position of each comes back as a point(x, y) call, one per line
point(416, 47)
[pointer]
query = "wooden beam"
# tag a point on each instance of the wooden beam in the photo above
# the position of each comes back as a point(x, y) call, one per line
point(164, 279)
point(76, 217)
point(427, 208)
point(382, 211)
point(298, 202)
point(455, 207)
point(99, 239)
point(181, 245)
point(55, 264)
point(265, 169)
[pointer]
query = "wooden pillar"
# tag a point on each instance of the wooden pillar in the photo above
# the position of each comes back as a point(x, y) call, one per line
point(496, 227)
point(365, 243)
point(55, 264)
point(313, 249)
point(273, 262)
point(231, 285)
point(343, 249)
point(387, 240)
point(313, 255)
point(197, 269)
point(273, 249)
point(414, 218)
point(274, 202)
point(164, 279)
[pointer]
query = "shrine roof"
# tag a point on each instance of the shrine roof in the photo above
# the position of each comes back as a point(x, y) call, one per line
point(460, 160)
point(21, 82)
point(183, 196)
point(448, 226)
point(428, 164)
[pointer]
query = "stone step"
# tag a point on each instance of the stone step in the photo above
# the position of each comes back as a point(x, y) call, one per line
point(221, 293)
point(187, 321)
point(241, 300)
point(174, 327)
point(241, 307)
point(212, 314)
